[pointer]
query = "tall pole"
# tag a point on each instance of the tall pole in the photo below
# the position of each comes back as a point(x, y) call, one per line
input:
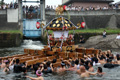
point(42, 6)
point(13, 3)
point(20, 14)
point(42, 10)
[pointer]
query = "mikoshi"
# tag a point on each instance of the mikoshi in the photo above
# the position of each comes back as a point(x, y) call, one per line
point(60, 27)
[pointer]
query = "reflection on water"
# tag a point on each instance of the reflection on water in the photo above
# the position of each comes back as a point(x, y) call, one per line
point(111, 74)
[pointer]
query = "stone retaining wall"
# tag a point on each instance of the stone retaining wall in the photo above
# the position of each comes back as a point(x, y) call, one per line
point(10, 40)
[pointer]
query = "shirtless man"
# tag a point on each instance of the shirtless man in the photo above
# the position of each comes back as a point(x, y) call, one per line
point(85, 73)
point(3, 65)
point(62, 68)
point(72, 65)
point(91, 69)
point(101, 60)
point(39, 77)
point(100, 72)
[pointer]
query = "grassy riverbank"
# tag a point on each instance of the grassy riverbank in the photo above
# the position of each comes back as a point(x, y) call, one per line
point(11, 31)
point(109, 31)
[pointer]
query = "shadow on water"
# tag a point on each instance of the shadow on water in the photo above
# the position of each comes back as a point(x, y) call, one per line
point(111, 74)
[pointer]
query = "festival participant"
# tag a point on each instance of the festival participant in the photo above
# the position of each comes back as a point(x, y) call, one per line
point(118, 58)
point(71, 63)
point(3, 65)
point(77, 65)
point(71, 37)
point(39, 77)
point(50, 37)
point(79, 70)
point(6, 69)
point(17, 67)
point(49, 67)
point(85, 73)
point(109, 64)
point(41, 67)
point(12, 63)
point(100, 73)
point(86, 64)
point(82, 62)
point(62, 68)
point(91, 69)
point(45, 69)
point(101, 60)
point(109, 52)
point(94, 60)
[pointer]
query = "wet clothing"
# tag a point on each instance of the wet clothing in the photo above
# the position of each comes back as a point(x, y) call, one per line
point(78, 66)
point(108, 65)
point(47, 71)
point(99, 75)
point(17, 68)
point(94, 59)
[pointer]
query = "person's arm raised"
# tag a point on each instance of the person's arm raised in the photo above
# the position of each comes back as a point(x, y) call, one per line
point(51, 67)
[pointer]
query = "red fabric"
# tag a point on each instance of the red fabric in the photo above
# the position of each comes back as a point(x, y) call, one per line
point(64, 27)
point(61, 37)
point(37, 25)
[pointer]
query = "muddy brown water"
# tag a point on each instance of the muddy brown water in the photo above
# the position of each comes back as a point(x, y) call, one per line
point(111, 74)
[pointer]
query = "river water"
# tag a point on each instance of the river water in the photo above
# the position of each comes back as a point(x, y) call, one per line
point(111, 74)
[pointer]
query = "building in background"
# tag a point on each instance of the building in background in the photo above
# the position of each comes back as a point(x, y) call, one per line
point(118, 4)
point(87, 4)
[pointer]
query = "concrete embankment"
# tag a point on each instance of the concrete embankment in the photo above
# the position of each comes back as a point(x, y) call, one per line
point(10, 40)
point(110, 42)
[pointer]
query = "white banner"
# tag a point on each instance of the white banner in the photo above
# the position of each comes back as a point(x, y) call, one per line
point(58, 34)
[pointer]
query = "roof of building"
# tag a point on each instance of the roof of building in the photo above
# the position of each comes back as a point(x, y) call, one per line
point(71, 1)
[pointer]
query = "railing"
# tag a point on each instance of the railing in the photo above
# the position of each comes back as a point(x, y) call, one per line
point(90, 12)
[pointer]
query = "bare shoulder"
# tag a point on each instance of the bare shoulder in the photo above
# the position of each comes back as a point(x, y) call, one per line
point(40, 78)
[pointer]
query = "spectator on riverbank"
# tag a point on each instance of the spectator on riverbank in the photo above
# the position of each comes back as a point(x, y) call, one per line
point(104, 34)
point(118, 36)
point(82, 40)
point(9, 6)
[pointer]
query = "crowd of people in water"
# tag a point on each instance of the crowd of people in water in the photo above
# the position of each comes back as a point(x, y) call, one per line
point(83, 67)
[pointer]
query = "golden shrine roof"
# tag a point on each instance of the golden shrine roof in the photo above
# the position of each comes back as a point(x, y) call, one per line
point(60, 23)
